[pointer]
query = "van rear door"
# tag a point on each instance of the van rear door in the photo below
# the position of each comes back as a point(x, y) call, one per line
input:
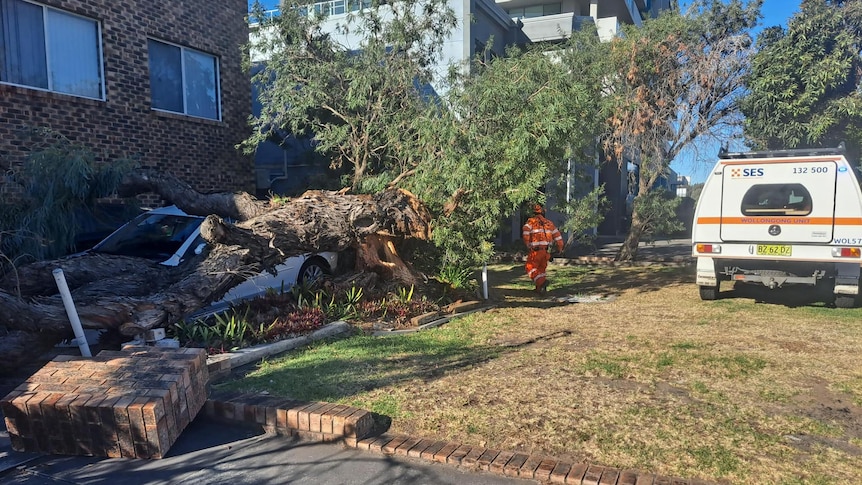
point(782, 201)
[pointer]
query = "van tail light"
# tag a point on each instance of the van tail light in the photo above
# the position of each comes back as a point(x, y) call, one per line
point(847, 252)
point(708, 248)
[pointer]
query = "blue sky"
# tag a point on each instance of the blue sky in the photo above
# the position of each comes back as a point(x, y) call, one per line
point(698, 161)
point(697, 166)
point(267, 4)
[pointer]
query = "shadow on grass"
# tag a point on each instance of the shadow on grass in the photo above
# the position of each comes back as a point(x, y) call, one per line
point(791, 296)
point(341, 369)
point(338, 369)
point(510, 287)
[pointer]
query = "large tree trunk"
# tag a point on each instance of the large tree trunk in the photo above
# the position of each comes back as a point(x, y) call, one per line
point(377, 253)
point(236, 206)
point(629, 249)
point(133, 295)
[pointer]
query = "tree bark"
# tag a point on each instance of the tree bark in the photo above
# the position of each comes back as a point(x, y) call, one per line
point(629, 248)
point(237, 206)
point(377, 253)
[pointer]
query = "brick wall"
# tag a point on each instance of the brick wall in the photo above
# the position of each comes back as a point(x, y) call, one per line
point(199, 151)
point(130, 404)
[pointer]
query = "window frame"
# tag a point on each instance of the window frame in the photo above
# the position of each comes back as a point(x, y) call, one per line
point(521, 12)
point(100, 53)
point(217, 75)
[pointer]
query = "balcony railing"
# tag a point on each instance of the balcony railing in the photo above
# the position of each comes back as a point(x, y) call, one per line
point(552, 27)
point(330, 7)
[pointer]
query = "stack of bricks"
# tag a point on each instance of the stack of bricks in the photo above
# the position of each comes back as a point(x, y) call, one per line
point(314, 421)
point(131, 404)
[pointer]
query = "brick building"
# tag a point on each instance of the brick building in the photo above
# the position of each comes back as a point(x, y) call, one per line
point(161, 81)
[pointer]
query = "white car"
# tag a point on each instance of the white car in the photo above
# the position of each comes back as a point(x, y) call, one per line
point(171, 237)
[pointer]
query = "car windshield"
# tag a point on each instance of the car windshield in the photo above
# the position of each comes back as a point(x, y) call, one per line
point(151, 236)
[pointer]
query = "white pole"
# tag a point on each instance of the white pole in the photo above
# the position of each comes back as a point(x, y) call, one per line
point(80, 338)
point(485, 281)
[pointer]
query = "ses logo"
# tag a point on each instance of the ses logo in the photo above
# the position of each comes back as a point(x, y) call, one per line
point(746, 172)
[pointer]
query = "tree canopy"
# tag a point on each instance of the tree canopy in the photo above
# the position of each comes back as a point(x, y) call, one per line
point(507, 129)
point(804, 86)
point(504, 132)
point(474, 153)
point(357, 90)
point(677, 80)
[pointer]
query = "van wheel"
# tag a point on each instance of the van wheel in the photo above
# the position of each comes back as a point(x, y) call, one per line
point(845, 301)
point(708, 292)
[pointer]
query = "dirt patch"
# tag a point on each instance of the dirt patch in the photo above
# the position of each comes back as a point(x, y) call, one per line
point(835, 411)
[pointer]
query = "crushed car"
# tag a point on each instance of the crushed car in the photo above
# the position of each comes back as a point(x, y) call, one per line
point(171, 237)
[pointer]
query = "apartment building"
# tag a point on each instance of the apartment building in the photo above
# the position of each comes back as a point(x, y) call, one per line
point(552, 21)
point(157, 80)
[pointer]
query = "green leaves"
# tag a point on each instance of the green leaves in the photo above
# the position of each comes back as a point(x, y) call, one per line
point(508, 128)
point(356, 89)
point(58, 182)
point(675, 81)
point(804, 83)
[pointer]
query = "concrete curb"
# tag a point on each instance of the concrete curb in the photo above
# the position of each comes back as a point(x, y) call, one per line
point(431, 324)
point(221, 365)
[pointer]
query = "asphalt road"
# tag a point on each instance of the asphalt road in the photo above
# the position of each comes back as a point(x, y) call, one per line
point(208, 452)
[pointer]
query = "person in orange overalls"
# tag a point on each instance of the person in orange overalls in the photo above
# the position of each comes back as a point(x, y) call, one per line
point(538, 234)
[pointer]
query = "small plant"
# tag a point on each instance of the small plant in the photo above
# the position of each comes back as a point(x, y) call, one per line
point(456, 277)
point(182, 331)
point(226, 331)
point(404, 295)
point(231, 328)
point(301, 321)
point(276, 200)
point(303, 292)
point(346, 308)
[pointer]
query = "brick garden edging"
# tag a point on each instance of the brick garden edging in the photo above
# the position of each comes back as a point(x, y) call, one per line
point(354, 427)
point(313, 421)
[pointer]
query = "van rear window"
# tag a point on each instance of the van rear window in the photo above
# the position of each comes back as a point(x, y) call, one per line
point(776, 199)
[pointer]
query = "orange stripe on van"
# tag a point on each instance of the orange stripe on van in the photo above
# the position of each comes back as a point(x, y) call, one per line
point(824, 221)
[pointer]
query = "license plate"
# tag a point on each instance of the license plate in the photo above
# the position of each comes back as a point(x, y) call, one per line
point(774, 250)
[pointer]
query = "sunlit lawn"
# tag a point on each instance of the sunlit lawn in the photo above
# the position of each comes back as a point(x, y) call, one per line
point(740, 389)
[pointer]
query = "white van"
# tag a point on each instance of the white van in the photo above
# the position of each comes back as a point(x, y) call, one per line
point(780, 217)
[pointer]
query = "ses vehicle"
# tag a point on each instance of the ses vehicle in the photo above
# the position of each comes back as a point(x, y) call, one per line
point(779, 218)
point(171, 237)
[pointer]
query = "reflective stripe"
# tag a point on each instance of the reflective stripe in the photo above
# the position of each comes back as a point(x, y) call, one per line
point(825, 221)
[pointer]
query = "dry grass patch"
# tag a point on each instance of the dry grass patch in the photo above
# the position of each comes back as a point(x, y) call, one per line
point(736, 390)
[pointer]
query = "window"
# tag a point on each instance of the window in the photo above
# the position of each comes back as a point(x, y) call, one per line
point(184, 81)
point(776, 200)
point(45, 48)
point(534, 11)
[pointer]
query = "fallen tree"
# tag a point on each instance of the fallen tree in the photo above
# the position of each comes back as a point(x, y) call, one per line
point(132, 295)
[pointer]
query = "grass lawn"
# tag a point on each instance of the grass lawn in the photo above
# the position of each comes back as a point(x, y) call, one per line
point(756, 387)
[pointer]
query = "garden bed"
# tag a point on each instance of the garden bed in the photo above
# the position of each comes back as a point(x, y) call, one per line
point(279, 316)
